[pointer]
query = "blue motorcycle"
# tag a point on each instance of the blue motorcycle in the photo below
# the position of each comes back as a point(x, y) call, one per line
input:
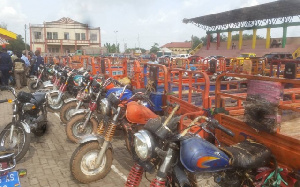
point(181, 158)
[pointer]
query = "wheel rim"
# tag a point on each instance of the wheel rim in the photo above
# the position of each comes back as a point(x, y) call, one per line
point(88, 162)
point(17, 143)
point(69, 113)
point(58, 105)
point(76, 129)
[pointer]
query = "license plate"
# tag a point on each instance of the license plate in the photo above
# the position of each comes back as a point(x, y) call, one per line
point(10, 179)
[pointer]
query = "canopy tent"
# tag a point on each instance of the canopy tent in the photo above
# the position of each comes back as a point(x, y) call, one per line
point(6, 35)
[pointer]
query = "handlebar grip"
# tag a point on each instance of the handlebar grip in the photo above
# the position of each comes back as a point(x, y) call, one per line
point(216, 124)
point(4, 88)
point(3, 101)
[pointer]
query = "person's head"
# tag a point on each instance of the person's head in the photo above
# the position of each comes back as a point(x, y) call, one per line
point(19, 54)
point(37, 53)
point(152, 57)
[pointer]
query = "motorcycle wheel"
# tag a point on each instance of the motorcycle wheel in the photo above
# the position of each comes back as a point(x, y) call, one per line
point(32, 86)
point(82, 160)
point(72, 128)
point(55, 107)
point(20, 140)
point(67, 110)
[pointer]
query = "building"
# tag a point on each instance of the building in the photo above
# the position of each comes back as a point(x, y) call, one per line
point(178, 47)
point(6, 35)
point(63, 36)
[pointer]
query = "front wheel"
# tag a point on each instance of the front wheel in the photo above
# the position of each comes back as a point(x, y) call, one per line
point(67, 111)
point(74, 131)
point(33, 87)
point(55, 107)
point(20, 140)
point(82, 163)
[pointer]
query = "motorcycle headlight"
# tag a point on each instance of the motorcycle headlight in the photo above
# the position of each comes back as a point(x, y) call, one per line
point(104, 106)
point(144, 144)
point(28, 106)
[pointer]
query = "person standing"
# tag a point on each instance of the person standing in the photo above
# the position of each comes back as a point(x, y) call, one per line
point(39, 61)
point(19, 70)
point(5, 66)
point(27, 68)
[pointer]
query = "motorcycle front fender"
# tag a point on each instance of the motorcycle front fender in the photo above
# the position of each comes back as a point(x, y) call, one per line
point(25, 126)
point(70, 100)
point(80, 111)
point(92, 137)
point(47, 85)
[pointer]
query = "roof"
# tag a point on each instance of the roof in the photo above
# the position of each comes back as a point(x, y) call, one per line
point(178, 45)
point(7, 35)
point(65, 20)
point(264, 12)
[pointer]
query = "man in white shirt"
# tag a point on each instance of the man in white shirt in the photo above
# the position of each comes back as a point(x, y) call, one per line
point(152, 59)
point(27, 68)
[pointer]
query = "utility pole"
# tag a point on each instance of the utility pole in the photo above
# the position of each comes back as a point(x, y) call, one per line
point(139, 41)
point(25, 42)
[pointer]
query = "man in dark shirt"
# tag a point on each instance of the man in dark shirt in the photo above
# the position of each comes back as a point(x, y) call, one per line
point(39, 60)
point(5, 66)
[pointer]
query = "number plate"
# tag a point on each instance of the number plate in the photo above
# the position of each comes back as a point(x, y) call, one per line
point(10, 179)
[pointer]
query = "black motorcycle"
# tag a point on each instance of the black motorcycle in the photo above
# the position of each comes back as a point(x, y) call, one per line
point(29, 115)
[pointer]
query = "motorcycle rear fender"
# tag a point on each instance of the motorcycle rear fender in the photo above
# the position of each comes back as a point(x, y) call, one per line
point(48, 86)
point(70, 100)
point(92, 137)
point(25, 126)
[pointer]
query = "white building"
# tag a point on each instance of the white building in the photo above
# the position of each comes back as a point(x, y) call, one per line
point(63, 36)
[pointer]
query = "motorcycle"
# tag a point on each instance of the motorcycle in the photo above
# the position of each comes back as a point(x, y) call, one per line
point(85, 121)
point(7, 164)
point(29, 115)
point(73, 104)
point(68, 88)
point(92, 160)
point(181, 158)
point(42, 81)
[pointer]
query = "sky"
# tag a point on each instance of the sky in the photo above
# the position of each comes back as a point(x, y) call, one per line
point(139, 23)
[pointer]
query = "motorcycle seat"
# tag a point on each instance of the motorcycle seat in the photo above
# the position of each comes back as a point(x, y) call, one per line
point(248, 154)
point(39, 98)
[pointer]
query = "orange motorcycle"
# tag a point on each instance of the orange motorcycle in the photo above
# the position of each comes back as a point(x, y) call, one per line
point(92, 160)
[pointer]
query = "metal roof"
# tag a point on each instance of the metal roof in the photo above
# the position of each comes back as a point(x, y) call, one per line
point(278, 9)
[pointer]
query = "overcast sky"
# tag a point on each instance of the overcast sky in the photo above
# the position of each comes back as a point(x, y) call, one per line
point(155, 21)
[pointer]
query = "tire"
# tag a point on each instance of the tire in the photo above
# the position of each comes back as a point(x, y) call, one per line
point(56, 107)
point(73, 125)
point(64, 113)
point(4, 138)
point(87, 152)
point(31, 86)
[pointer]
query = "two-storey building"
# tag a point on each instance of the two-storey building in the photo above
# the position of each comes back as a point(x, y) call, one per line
point(63, 36)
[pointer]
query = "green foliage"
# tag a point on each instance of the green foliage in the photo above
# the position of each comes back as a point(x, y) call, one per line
point(246, 37)
point(17, 45)
point(195, 41)
point(112, 48)
point(154, 48)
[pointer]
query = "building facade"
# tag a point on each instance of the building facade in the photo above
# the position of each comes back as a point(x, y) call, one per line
point(63, 36)
point(179, 47)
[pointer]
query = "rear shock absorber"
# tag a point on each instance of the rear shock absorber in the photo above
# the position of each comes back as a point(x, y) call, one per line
point(157, 183)
point(135, 176)
point(100, 128)
point(110, 132)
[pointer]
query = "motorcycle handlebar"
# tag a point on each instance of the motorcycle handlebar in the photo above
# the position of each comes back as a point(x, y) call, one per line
point(3, 101)
point(217, 125)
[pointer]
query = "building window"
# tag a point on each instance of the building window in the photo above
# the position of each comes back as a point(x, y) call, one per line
point(93, 37)
point(37, 35)
point(77, 36)
point(82, 36)
point(49, 35)
point(66, 36)
point(55, 35)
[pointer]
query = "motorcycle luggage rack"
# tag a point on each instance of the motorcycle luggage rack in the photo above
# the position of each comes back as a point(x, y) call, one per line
point(5, 157)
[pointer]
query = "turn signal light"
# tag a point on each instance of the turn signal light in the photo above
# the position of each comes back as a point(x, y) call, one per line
point(10, 100)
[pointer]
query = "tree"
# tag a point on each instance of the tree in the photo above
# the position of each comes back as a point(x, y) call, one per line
point(246, 37)
point(195, 41)
point(154, 48)
point(17, 45)
point(112, 48)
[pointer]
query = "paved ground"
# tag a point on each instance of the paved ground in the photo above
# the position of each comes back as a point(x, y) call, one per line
point(47, 161)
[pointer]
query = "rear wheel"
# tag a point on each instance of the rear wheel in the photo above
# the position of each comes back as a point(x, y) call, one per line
point(74, 131)
point(20, 140)
point(82, 163)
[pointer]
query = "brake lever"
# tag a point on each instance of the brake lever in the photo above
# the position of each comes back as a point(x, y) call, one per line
point(209, 132)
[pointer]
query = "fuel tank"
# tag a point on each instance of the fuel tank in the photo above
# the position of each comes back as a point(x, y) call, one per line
point(198, 155)
point(137, 113)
